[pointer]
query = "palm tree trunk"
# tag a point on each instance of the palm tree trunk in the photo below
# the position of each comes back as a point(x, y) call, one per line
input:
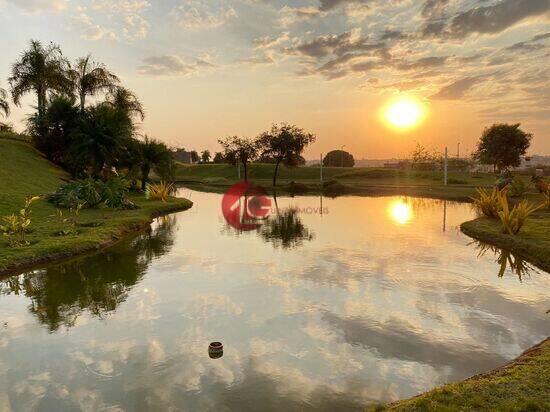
point(41, 101)
point(144, 176)
point(82, 102)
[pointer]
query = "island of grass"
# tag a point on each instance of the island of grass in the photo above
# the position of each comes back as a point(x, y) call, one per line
point(521, 385)
point(532, 243)
point(24, 172)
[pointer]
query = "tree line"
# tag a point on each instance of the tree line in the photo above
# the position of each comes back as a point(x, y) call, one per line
point(87, 139)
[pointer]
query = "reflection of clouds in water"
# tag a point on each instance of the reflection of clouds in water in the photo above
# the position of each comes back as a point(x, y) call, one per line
point(211, 304)
point(395, 340)
point(377, 312)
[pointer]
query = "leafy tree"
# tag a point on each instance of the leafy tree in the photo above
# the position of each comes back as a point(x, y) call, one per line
point(89, 78)
point(100, 139)
point(502, 146)
point(194, 156)
point(424, 159)
point(154, 155)
point(239, 149)
point(284, 144)
point(124, 101)
point(218, 158)
point(205, 156)
point(4, 106)
point(40, 69)
point(338, 158)
point(52, 133)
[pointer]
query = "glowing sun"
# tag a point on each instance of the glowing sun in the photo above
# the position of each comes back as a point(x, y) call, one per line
point(404, 113)
point(400, 212)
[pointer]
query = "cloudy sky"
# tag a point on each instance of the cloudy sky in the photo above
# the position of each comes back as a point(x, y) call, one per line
point(207, 69)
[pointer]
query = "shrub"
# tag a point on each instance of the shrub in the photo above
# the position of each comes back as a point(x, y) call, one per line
point(69, 222)
point(513, 219)
point(16, 225)
point(115, 193)
point(84, 192)
point(488, 203)
point(518, 187)
point(92, 193)
point(215, 180)
point(454, 181)
point(159, 191)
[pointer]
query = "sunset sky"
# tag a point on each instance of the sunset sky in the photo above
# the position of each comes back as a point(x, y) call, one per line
point(208, 69)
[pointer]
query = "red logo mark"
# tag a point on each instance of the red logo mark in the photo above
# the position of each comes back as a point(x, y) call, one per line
point(245, 206)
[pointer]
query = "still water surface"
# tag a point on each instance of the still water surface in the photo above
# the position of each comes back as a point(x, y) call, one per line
point(376, 299)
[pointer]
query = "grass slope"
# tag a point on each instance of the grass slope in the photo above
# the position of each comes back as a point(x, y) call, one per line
point(24, 172)
point(351, 181)
point(522, 385)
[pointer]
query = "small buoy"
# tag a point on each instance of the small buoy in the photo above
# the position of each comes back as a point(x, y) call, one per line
point(215, 350)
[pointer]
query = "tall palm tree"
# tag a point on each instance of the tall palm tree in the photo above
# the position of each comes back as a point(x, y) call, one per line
point(155, 155)
point(124, 101)
point(4, 106)
point(39, 70)
point(89, 78)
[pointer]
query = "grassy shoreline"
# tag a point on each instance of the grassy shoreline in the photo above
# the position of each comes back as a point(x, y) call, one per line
point(93, 239)
point(521, 385)
point(531, 244)
point(25, 172)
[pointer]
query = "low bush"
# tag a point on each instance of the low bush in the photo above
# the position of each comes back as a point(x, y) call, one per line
point(159, 191)
point(90, 193)
point(518, 187)
point(16, 226)
point(513, 219)
point(215, 180)
point(68, 221)
point(454, 181)
point(488, 203)
point(296, 187)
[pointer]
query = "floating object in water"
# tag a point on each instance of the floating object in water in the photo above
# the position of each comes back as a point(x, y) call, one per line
point(215, 350)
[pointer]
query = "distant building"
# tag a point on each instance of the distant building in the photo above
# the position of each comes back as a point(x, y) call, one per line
point(182, 156)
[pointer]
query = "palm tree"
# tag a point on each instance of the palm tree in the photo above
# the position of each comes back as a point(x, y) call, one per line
point(100, 139)
point(39, 70)
point(124, 101)
point(89, 78)
point(4, 106)
point(155, 155)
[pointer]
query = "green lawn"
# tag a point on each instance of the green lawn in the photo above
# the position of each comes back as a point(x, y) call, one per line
point(350, 181)
point(522, 385)
point(24, 172)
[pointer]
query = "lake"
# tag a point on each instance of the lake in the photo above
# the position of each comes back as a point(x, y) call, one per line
point(330, 305)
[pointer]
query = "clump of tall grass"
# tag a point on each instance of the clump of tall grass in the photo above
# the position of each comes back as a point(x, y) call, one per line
point(488, 202)
point(513, 219)
point(159, 191)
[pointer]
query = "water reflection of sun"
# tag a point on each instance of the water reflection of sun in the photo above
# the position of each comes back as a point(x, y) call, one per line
point(400, 212)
